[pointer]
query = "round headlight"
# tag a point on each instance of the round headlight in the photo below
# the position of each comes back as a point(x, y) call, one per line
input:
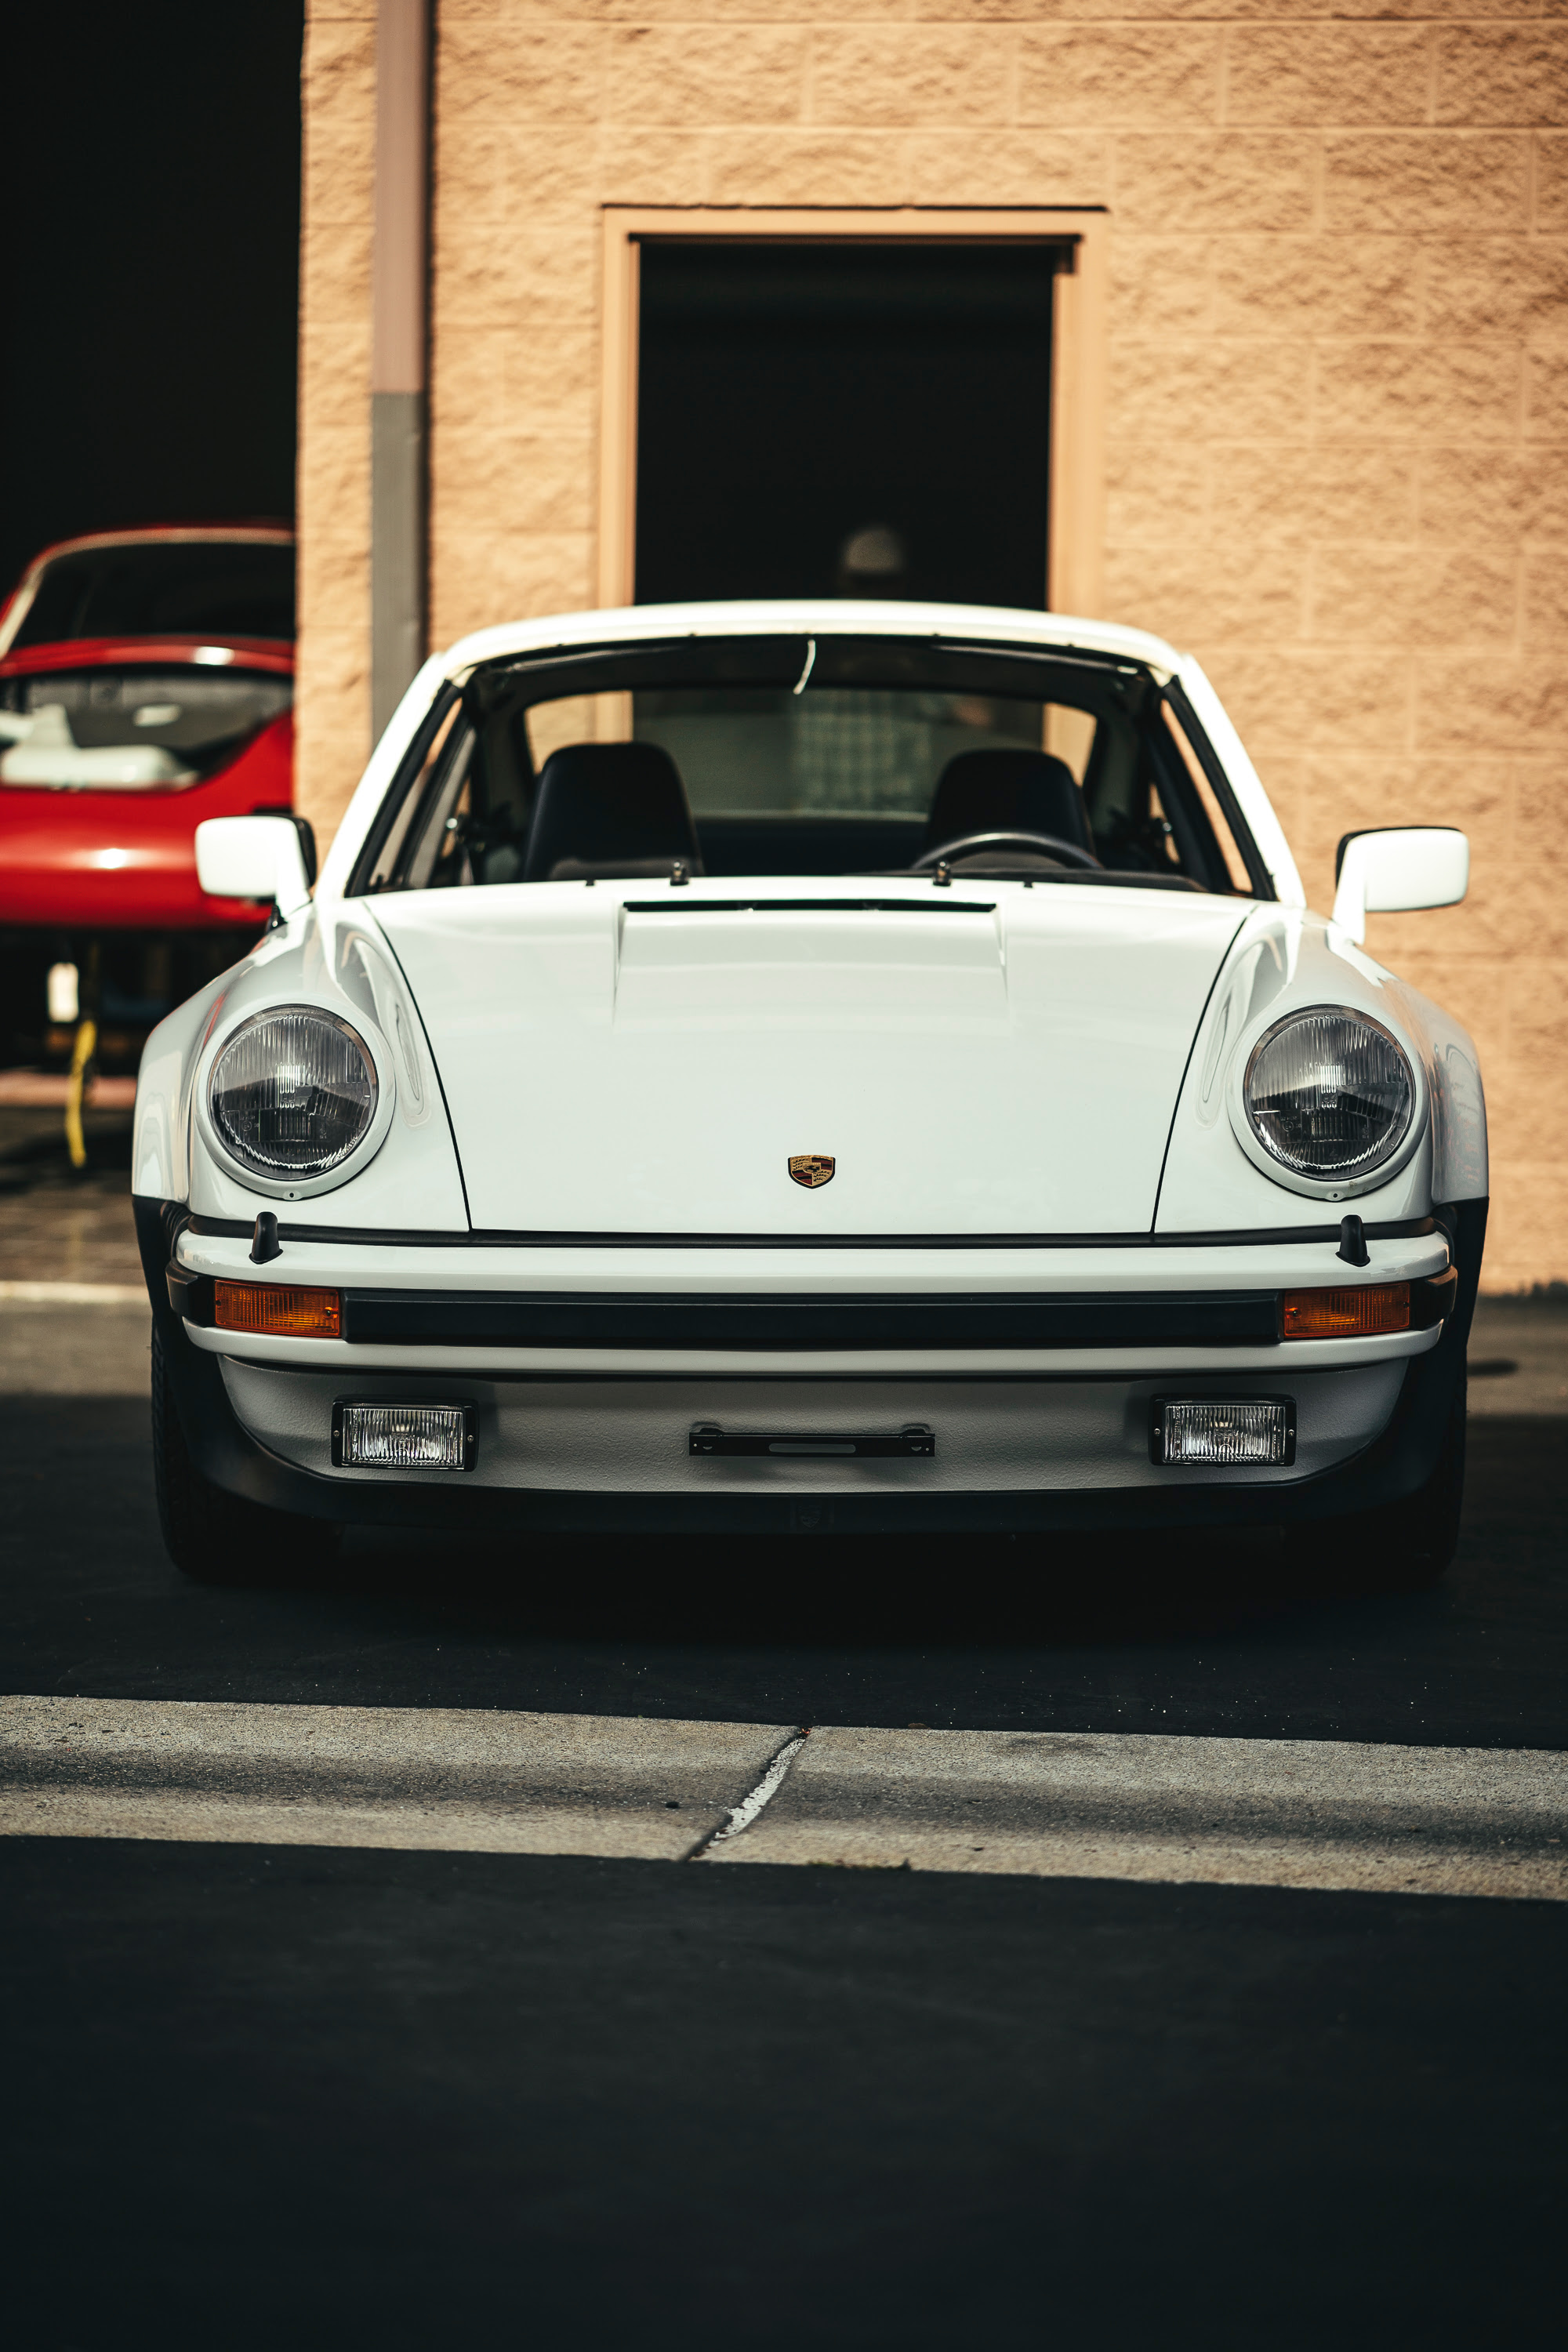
point(1329, 1093)
point(293, 1092)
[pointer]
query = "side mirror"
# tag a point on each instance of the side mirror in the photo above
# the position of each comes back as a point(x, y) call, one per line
point(1391, 871)
point(254, 857)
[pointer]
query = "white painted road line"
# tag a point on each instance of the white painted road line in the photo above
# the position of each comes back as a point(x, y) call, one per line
point(1308, 1813)
point(767, 1787)
point(459, 1780)
point(1262, 1813)
point(73, 1294)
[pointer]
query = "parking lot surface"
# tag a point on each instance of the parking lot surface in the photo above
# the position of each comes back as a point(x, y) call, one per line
point(1108, 1982)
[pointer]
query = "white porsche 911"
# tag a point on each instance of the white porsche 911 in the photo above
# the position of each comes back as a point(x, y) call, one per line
point(864, 1067)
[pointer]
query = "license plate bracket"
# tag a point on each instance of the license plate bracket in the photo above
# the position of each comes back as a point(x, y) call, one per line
point(915, 1441)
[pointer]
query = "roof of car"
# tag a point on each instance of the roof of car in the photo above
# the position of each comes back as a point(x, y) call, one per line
point(813, 616)
point(194, 534)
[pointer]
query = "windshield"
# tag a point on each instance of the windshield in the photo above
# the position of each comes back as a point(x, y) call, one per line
point(810, 756)
point(842, 750)
point(130, 730)
point(216, 588)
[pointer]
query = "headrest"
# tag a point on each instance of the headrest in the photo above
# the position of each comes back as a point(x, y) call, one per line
point(609, 808)
point(1007, 792)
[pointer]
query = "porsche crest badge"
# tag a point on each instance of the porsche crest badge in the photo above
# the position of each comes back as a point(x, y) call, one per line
point(810, 1169)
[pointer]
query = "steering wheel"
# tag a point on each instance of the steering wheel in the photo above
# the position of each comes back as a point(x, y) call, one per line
point(1069, 851)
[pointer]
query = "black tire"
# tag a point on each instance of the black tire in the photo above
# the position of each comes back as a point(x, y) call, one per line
point(1403, 1546)
point(215, 1538)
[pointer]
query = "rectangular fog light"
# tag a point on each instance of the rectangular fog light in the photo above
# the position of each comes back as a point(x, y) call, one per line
point(1224, 1433)
point(404, 1436)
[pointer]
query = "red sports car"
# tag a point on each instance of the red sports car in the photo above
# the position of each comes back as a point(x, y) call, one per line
point(146, 682)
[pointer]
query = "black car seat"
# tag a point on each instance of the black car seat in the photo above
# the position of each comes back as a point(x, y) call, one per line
point(1004, 791)
point(618, 810)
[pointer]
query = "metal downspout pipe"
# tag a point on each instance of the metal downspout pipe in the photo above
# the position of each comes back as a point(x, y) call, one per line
point(399, 353)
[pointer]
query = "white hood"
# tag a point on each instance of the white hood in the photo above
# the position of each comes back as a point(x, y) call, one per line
point(634, 1060)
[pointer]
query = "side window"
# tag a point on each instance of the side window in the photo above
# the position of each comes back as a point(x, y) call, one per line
point(1126, 813)
point(1153, 807)
point(1069, 735)
point(1161, 839)
point(1221, 843)
point(400, 829)
point(439, 847)
point(464, 817)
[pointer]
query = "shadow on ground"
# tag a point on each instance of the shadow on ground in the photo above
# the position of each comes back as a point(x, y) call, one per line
point(1145, 1634)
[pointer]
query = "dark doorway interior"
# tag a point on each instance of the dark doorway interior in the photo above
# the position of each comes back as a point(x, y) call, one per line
point(844, 418)
point(153, 268)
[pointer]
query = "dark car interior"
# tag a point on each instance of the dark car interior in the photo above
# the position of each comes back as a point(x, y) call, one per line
point(795, 756)
point(618, 810)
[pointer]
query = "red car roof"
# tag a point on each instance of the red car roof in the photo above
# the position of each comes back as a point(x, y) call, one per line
point(92, 652)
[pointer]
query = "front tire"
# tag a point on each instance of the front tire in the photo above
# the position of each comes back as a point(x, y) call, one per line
point(211, 1535)
point(1400, 1547)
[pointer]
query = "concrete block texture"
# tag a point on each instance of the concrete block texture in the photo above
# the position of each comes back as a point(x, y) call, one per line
point(1313, 495)
point(684, 74)
point(1148, 76)
point(333, 484)
point(913, 74)
point(1223, 181)
point(1328, 73)
point(1335, 383)
point(1317, 286)
point(1515, 74)
point(1377, 391)
point(1426, 183)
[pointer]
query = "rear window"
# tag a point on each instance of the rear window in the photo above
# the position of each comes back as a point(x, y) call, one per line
point(841, 751)
point(130, 730)
point(218, 588)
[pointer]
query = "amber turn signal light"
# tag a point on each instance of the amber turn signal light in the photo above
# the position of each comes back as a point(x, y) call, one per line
point(1354, 1313)
point(278, 1309)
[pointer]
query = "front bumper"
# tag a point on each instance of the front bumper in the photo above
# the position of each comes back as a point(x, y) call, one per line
point(593, 1439)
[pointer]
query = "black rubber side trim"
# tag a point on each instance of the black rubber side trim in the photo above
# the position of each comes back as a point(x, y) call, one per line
point(592, 1320)
point(1398, 1229)
point(190, 1294)
point(159, 1224)
point(219, 1447)
point(1433, 1301)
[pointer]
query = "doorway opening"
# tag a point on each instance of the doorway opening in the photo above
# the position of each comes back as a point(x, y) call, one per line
point(845, 418)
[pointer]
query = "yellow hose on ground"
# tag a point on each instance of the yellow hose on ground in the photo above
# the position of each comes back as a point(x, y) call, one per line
point(82, 1052)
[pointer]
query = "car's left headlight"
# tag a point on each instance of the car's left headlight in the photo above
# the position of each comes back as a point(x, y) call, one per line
point(1330, 1095)
point(293, 1093)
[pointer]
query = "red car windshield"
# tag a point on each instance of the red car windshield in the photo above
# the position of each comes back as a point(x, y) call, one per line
point(220, 589)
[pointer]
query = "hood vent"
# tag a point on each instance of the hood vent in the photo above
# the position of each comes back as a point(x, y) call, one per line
point(809, 906)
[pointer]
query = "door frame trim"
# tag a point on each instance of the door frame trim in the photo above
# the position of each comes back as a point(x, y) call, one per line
point(1075, 557)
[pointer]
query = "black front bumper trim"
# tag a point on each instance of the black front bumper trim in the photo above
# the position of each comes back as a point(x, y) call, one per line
point(1391, 1470)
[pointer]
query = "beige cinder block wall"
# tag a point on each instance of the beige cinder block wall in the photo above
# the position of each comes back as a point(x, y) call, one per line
point(1338, 394)
point(333, 484)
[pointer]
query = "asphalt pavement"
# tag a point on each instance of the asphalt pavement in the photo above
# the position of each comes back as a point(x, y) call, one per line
point(1151, 1635)
point(261, 2088)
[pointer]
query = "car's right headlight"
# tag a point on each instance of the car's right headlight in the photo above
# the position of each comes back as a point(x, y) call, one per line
point(1329, 1093)
point(293, 1093)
